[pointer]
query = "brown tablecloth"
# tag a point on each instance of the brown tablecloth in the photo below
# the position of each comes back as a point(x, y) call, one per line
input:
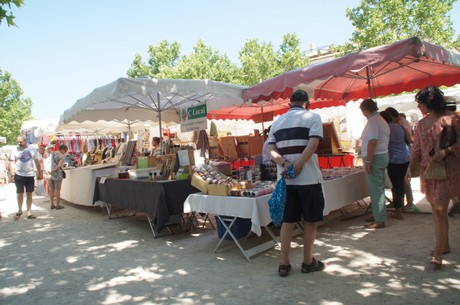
point(159, 200)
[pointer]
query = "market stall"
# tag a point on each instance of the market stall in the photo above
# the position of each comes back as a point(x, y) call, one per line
point(401, 66)
point(80, 182)
point(161, 201)
point(341, 186)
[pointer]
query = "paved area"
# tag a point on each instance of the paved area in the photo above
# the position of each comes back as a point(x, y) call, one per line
point(77, 256)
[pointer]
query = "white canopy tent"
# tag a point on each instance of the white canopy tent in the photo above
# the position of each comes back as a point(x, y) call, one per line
point(157, 100)
point(44, 127)
point(102, 127)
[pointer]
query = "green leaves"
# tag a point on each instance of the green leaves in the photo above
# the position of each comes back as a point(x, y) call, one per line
point(259, 61)
point(5, 10)
point(385, 21)
point(14, 109)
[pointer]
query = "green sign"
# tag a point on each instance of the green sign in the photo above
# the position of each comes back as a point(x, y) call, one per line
point(196, 112)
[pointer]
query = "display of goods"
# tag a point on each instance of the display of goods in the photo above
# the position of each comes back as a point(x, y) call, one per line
point(340, 172)
point(211, 176)
point(259, 189)
point(212, 182)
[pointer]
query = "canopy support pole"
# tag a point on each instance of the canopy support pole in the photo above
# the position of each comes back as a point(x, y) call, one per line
point(262, 110)
point(368, 75)
point(159, 123)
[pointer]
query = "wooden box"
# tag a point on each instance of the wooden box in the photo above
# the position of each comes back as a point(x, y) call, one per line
point(255, 144)
point(330, 144)
point(218, 190)
point(209, 189)
point(152, 161)
point(144, 162)
point(168, 162)
point(215, 148)
point(229, 147)
point(242, 146)
point(199, 183)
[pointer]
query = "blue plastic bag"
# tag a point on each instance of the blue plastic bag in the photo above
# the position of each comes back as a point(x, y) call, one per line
point(278, 198)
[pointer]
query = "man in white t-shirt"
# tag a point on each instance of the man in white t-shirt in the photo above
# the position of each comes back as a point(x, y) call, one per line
point(293, 139)
point(22, 167)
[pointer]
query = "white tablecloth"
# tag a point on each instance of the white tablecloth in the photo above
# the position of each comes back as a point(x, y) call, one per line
point(255, 209)
point(343, 191)
point(78, 187)
point(338, 193)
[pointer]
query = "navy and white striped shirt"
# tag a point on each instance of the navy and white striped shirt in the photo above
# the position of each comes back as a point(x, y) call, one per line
point(291, 133)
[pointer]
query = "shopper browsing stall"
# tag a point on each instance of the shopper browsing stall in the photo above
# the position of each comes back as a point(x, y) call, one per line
point(293, 139)
point(374, 149)
point(398, 152)
point(56, 176)
point(430, 149)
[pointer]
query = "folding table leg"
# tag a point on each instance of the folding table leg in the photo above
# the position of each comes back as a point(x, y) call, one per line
point(109, 209)
point(150, 220)
point(206, 218)
point(228, 231)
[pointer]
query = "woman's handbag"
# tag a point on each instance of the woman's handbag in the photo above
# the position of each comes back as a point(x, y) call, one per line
point(448, 136)
point(436, 170)
point(62, 171)
point(47, 175)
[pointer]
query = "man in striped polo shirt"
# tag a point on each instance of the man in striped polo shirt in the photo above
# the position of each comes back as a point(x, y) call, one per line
point(293, 139)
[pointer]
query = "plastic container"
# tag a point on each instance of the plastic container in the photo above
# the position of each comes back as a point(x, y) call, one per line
point(240, 228)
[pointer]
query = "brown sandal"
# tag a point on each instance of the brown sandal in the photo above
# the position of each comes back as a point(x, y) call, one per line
point(314, 266)
point(283, 270)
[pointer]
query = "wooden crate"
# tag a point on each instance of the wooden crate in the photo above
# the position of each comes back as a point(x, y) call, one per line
point(218, 190)
point(215, 148)
point(255, 144)
point(199, 183)
point(152, 161)
point(242, 146)
point(229, 147)
point(168, 162)
point(330, 143)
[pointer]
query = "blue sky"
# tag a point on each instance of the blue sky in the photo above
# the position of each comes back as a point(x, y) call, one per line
point(62, 50)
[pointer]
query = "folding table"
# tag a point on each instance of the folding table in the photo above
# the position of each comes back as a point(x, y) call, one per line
point(254, 208)
point(161, 201)
point(338, 193)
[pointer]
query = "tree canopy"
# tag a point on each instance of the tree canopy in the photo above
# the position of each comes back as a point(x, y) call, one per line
point(14, 108)
point(259, 61)
point(378, 22)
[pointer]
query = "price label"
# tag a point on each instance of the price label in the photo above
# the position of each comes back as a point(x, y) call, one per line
point(102, 180)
